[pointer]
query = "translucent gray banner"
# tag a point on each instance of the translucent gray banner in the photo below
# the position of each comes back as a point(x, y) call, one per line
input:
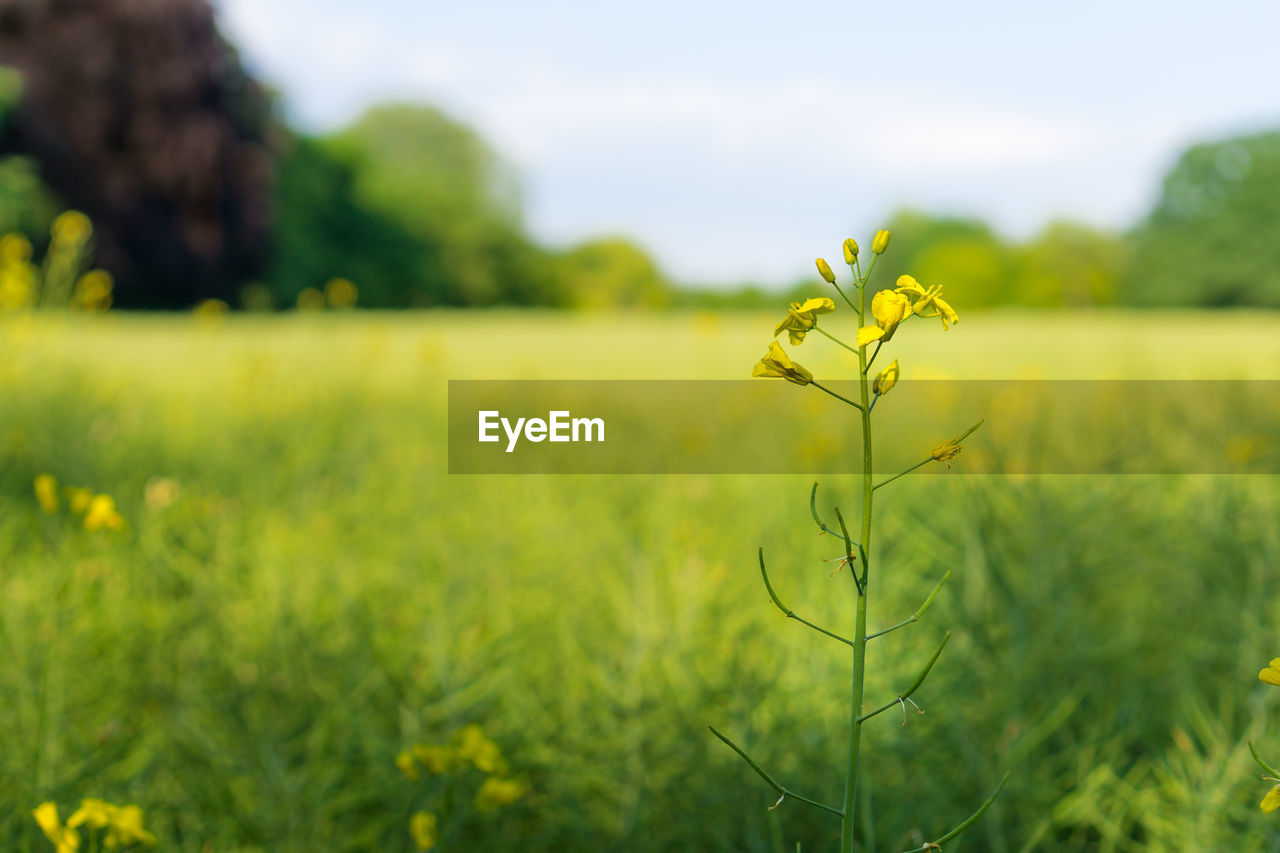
point(774, 427)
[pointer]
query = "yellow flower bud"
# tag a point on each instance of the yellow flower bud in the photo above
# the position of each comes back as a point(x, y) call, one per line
point(850, 250)
point(886, 380)
point(881, 242)
point(824, 270)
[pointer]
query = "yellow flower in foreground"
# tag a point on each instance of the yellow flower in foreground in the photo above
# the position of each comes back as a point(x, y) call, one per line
point(46, 487)
point(64, 839)
point(886, 379)
point(102, 515)
point(422, 826)
point(127, 828)
point(881, 242)
point(1271, 801)
point(927, 298)
point(824, 270)
point(800, 317)
point(889, 308)
point(496, 792)
point(1271, 675)
point(777, 364)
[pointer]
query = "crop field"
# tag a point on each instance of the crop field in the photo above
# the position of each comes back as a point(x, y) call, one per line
point(295, 593)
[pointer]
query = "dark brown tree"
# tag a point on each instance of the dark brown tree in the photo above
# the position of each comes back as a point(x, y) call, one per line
point(140, 115)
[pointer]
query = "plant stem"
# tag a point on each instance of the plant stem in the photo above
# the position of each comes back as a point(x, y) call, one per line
point(860, 627)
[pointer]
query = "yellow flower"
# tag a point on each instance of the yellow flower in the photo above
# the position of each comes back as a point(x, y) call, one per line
point(64, 839)
point(889, 308)
point(310, 299)
point(497, 792)
point(14, 249)
point(78, 499)
point(102, 515)
point(96, 813)
point(824, 270)
point(340, 293)
point(71, 226)
point(46, 486)
point(422, 826)
point(93, 291)
point(127, 828)
point(475, 746)
point(437, 759)
point(1271, 801)
point(407, 765)
point(800, 317)
point(1271, 675)
point(211, 309)
point(926, 298)
point(887, 379)
point(776, 363)
point(850, 250)
point(881, 242)
point(947, 451)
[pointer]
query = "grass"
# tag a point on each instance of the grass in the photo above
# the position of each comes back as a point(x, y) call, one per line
point(247, 662)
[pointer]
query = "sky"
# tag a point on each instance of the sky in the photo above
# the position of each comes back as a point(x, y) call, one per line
point(738, 140)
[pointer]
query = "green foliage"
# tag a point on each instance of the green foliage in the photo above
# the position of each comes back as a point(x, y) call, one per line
point(1210, 239)
point(611, 272)
point(1070, 265)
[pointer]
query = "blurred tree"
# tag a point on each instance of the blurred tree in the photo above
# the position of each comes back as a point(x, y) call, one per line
point(1069, 264)
point(140, 115)
point(963, 254)
point(1211, 239)
point(611, 272)
point(438, 181)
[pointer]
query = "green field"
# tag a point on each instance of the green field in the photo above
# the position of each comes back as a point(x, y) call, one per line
point(313, 594)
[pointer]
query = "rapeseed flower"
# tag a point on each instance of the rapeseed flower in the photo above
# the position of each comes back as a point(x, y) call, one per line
point(881, 242)
point(436, 759)
point(495, 793)
point(127, 828)
point(801, 317)
point(101, 514)
point(926, 298)
point(886, 379)
point(889, 309)
point(475, 746)
point(422, 826)
point(46, 488)
point(65, 839)
point(824, 270)
point(850, 250)
point(777, 364)
point(1271, 674)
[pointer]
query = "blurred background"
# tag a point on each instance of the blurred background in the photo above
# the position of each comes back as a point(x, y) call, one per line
point(242, 592)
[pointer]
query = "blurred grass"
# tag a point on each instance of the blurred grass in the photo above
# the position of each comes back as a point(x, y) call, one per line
point(247, 662)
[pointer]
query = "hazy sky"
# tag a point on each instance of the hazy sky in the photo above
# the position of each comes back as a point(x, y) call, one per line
point(740, 140)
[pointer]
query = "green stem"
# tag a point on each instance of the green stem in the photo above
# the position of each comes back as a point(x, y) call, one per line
point(915, 685)
point(791, 614)
point(833, 338)
point(1264, 765)
point(773, 783)
point(914, 617)
point(813, 510)
point(937, 843)
point(838, 397)
point(847, 825)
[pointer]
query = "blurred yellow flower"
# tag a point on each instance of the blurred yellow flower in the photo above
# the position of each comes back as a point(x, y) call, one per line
point(71, 226)
point(310, 299)
point(46, 487)
point(824, 270)
point(210, 309)
point(889, 309)
point(475, 746)
point(160, 492)
point(78, 499)
point(496, 792)
point(127, 828)
point(886, 379)
point(1271, 675)
point(93, 291)
point(64, 839)
point(340, 293)
point(1271, 801)
point(96, 813)
point(422, 826)
point(881, 242)
point(407, 766)
point(436, 759)
point(777, 364)
point(102, 515)
point(14, 249)
point(801, 317)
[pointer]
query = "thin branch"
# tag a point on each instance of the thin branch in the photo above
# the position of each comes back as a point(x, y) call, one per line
point(915, 685)
point(773, 783)
point(819, 385)
point(968, 822)
point(791, 614)
point(848, 554)
point(873, 356)
point(914, 617)
point(845, 298)
point(1264, 765)
point(813, 510)
point(959, 438)
point(833, 338)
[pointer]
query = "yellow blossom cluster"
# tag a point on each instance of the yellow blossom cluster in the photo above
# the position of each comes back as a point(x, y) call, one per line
point(123, 825)
point(99, 510)
point(58, 280)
